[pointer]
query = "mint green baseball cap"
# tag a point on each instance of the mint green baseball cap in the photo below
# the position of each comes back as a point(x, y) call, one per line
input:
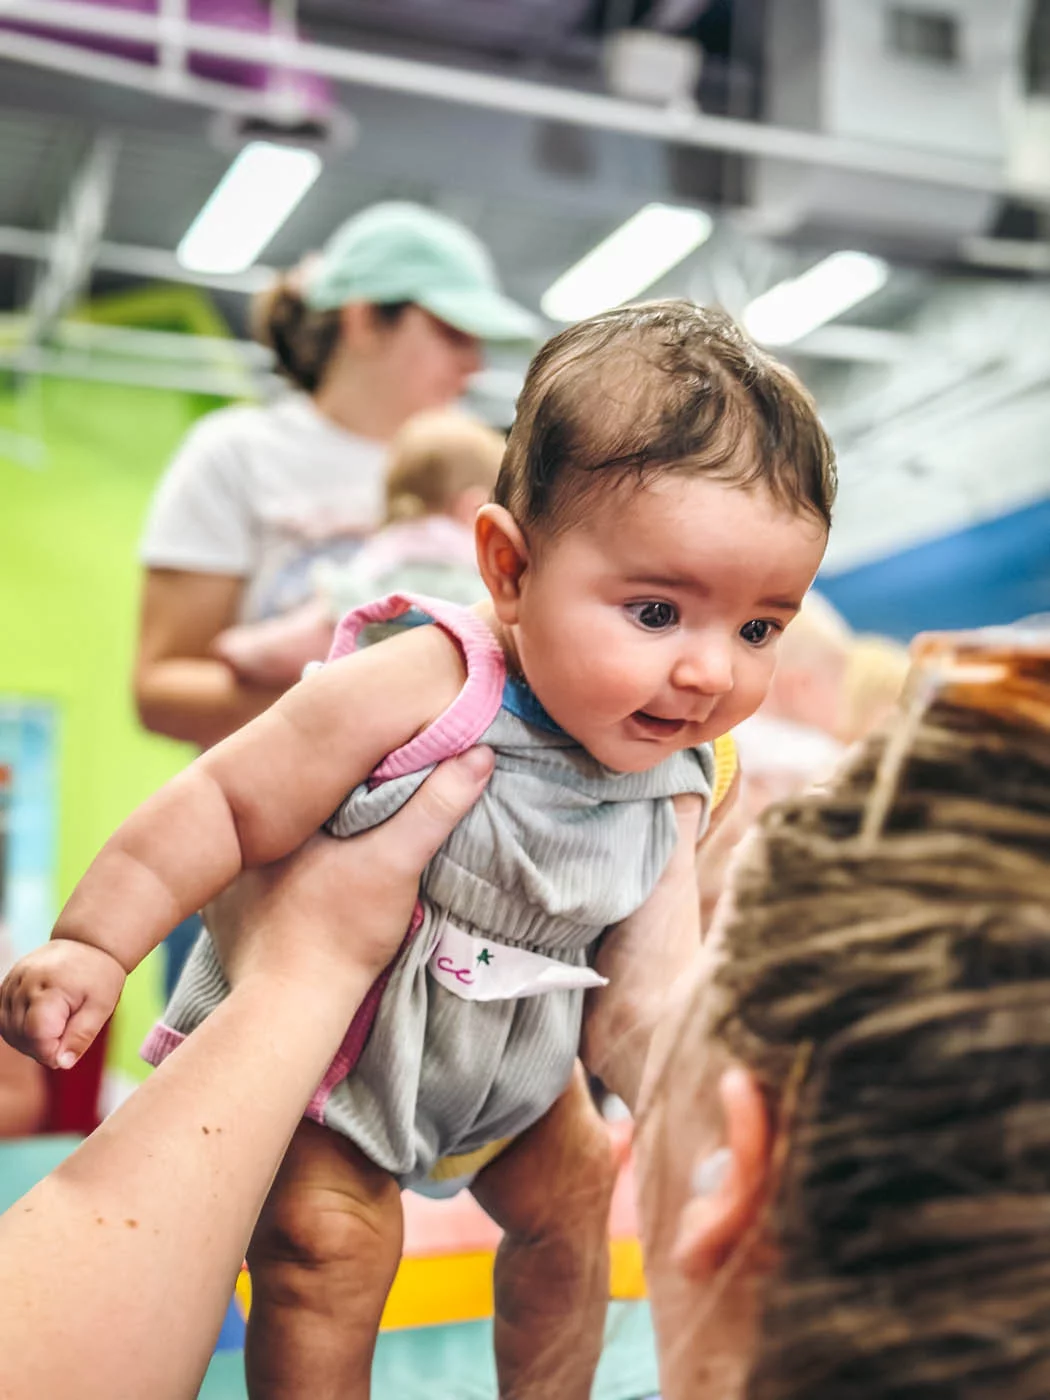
point(402, 252)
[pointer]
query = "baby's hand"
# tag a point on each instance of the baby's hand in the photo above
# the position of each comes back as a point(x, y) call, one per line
point(55, 1000)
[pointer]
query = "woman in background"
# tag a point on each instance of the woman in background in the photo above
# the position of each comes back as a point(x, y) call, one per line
point(388, 321)
point(441, 468)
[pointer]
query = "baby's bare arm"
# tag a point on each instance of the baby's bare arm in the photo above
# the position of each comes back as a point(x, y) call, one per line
point(252, 799)
point(258, 794)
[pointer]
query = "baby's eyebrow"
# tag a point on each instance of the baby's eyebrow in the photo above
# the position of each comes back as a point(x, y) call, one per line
point(695, 585)
point(669, 581)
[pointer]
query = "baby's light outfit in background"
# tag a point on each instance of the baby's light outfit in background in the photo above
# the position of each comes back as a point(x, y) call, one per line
point(472, 1034)
point(433, 555)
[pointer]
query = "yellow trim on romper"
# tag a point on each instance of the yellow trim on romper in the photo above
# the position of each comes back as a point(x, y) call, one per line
point(467, 1163)
point(725, 768)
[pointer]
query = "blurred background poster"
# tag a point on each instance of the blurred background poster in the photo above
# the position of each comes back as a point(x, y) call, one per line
point(27, 823)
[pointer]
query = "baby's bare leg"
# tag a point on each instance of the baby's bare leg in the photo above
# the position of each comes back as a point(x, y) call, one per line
point(550, 1192)
point(322, 1260)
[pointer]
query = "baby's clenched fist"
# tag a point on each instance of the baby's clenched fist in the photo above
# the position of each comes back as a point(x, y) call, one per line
point(55, 1000)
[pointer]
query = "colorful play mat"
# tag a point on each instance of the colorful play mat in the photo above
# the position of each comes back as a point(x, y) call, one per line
point(436, 1342)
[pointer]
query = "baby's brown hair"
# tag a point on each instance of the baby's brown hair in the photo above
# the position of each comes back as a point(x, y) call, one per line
point(435, 458)
point(887, 978)
point(665, 385)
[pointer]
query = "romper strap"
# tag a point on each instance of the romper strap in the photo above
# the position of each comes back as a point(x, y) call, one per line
point(466, 719)
point(726, 765)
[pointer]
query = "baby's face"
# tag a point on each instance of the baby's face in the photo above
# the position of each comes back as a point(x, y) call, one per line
point(653, 625)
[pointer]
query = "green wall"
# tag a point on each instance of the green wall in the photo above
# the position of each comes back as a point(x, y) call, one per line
point(69, 588)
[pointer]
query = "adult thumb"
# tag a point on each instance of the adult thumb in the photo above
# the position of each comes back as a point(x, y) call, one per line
point(426, 821)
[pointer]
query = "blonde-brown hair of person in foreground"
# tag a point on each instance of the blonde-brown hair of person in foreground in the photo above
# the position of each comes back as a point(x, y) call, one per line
point(116, 1270)
point(845, 1171)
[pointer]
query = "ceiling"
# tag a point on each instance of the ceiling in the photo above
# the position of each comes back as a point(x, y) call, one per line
point(549, 157)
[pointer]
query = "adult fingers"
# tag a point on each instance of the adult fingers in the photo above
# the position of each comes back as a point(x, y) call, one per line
point(688, 809)
point(427, 820)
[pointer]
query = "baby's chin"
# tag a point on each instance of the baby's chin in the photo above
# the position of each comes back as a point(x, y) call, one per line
point(620, 762)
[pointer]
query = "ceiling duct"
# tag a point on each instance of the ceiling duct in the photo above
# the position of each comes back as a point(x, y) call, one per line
point(938, 77)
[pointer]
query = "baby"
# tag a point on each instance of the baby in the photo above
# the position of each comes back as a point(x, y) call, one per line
point(661, 510)
point(442, 467)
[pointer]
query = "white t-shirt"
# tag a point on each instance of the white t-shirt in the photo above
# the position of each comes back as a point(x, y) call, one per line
point(264, 493)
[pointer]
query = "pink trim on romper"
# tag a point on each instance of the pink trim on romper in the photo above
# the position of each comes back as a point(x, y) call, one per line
point(455, 730)
point(160, 1042)
point(462, 724)
point(357, 1036)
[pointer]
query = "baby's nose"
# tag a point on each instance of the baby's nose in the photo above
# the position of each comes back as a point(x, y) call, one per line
point(706, 666)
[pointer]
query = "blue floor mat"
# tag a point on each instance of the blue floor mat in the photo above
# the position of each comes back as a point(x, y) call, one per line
point(455, 1363)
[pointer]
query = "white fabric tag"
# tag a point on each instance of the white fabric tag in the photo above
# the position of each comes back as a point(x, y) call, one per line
point(477, 969)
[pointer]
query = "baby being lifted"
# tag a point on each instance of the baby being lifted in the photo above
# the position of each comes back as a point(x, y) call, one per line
point(661, 510)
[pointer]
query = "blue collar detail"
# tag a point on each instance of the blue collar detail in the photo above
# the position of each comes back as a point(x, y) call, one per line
point(520, 701)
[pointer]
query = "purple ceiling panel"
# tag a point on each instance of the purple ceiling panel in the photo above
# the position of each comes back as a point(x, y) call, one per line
point(249, 15)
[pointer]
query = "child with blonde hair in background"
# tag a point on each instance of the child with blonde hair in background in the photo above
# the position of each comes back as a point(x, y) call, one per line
point(832, 687)
point(662, 508)
point(441, 469)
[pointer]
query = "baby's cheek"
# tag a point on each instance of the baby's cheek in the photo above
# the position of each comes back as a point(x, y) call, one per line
point(759, 677)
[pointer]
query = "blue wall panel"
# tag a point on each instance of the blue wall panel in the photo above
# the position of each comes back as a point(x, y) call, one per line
point(994, 572)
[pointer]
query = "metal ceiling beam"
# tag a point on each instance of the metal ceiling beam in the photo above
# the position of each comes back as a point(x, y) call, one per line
point(75, 241)
point(66, 364)
point(156, 264)
point(447, 84)
point(173, 360)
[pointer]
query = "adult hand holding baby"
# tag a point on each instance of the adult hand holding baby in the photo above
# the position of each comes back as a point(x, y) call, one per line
point(386, 863)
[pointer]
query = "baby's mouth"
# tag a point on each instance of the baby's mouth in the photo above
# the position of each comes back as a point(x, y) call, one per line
point(657, 727)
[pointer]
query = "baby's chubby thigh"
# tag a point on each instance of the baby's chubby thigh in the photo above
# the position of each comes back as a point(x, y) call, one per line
point(550, 1191)
point(556, 1177)
point(322, 1260)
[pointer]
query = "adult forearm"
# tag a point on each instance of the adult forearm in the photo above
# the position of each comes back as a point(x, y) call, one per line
point(198, 700)
point(165, 1192)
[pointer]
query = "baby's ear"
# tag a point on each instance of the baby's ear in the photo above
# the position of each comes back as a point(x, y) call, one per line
point(503, 557)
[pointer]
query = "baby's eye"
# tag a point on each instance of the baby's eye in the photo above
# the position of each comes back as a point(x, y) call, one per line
point(652, 615)
point(759, 631)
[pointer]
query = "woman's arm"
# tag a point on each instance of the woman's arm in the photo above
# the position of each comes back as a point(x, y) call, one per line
point(643, 957)
point(181, 690)
point(647, 955)
point(116, 1270)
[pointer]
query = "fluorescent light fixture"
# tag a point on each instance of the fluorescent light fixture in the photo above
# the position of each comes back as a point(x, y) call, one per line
point(247, 207)
point(793, 308)
point(629, 260)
